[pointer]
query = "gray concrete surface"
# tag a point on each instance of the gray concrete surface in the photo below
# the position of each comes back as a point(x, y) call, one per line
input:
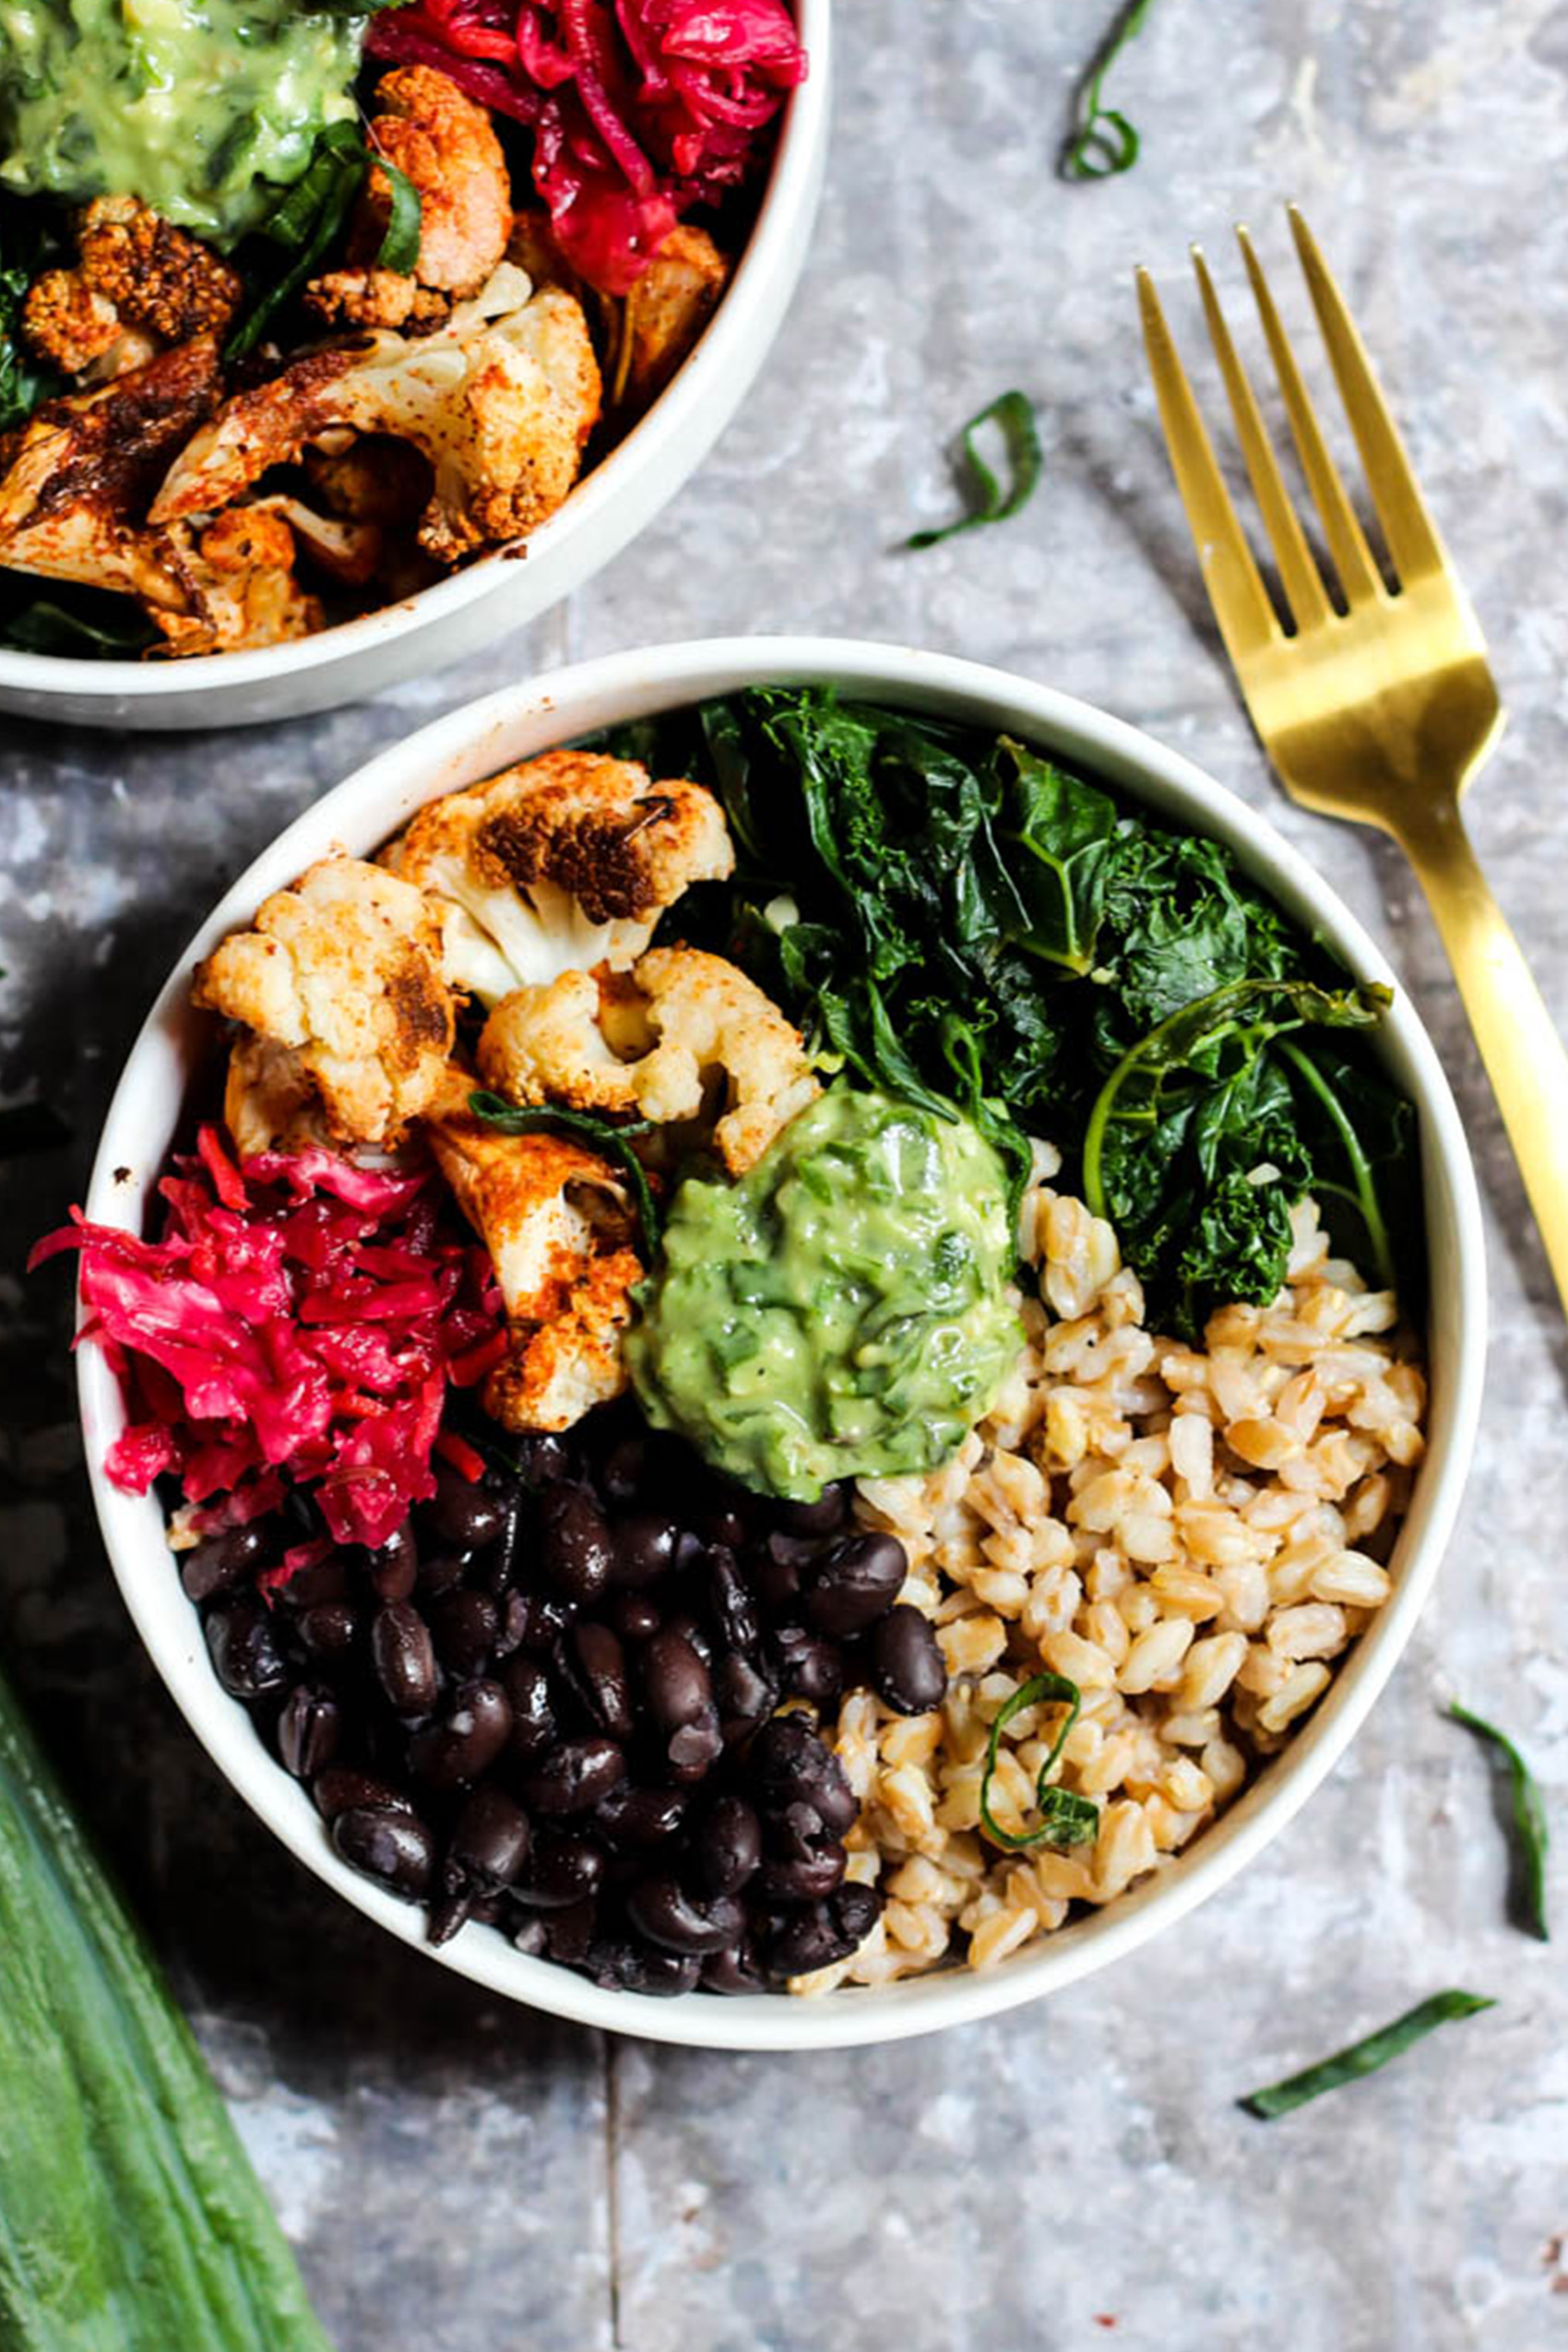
point(467, 2177)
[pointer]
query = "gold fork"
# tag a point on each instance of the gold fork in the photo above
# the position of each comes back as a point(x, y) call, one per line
point(1380, 713)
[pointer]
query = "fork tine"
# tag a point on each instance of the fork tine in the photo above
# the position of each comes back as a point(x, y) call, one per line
point(1304, 591)
point(1246, 618)
point(1346, 541)
point(1412, 535)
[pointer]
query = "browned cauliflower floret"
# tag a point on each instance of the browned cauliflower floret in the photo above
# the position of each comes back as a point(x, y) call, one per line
point(370, 480)
point(447, 145)
point(557, 1223)
point(344, 971)
point(270, 1100)
point(565, 862)
point(135, 271)
point(81, 470)
point(500, 401)
point(666, 312)
point(239, 574)
point(687, 1023)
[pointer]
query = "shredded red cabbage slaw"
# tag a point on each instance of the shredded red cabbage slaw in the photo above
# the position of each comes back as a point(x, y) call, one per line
point(296, 1325)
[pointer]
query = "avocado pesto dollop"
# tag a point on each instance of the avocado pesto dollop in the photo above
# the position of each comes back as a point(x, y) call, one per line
point(841, 1311)
point(192, 105)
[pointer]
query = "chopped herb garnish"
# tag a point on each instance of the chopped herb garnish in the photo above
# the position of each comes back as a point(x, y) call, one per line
point(1366, 2056)
point(1529, 1816)
point(306, 222)
point(1066, 1819)
point(1012, 414)
point(510, 1119)
point(399, 249)
point(1102, 142)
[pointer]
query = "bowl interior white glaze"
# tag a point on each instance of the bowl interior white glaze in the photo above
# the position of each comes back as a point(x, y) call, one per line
point(522, 721)
point(500, 591)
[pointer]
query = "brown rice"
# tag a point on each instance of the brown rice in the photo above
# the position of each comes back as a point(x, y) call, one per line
point(1193, 1537)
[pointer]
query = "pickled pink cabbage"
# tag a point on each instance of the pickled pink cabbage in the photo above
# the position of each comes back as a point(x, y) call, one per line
point(297, 1324)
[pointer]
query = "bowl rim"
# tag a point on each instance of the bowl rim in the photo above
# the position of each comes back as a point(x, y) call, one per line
point(718, 357)
point(470, 743)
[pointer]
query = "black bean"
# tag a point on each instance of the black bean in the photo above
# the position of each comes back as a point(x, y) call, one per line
point(634, 1616)
point(809, 1665)
point(395, 1847)
point(676, 1682)
point(805, 1879)
point(569, 1935)
point(404, 1658)
point(321, 1580)
point(908, 1669)
point(823, 1517)
point(527, 1686)
point(343, 1787)
point(722, 1526)
point(394, 1569)
point(574, 1777)
point(645, 1548)
point(815, 1936)
point(691, 1629)
point(729, 1598)
point(574, 1542)
point(790, 1765)
point(330, 1630)
point(243, 1649)
point(463, 1515)
point(490, 1839)
point(219, 1562)
point(501, 1561)
point(471, 1734)
point(663, 1911)
point(625, 1470)
point(736, 1969)
point(562, 1869)
point(530, 1939)
point(449, 1910)
point(639, 1817)
point(728, 1845)
point(745, 1694)
point(464, 1626)
point(853, 1583)
point(440, 1572)
point(774, 1568)
point(543, 1623)
point(513, 1625)
point(624, 1967)
point(596, 1666)
point(542, 1460)
point(308, 1728)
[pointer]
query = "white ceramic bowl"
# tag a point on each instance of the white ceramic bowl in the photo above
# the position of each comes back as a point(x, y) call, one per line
point(525, 721)
point(481, 603)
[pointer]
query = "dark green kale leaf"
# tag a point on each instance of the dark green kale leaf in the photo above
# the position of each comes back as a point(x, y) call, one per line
point(32, 239)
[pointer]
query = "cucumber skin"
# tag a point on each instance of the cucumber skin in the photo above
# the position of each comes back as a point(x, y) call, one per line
point(130, 2217)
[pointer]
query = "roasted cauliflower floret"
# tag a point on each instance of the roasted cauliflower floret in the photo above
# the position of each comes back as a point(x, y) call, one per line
point(565, 862)
point(500, 401)
point(447, 145)
point(343, 970)
point(82, 469)
point(270, 1100)
point(666, 312)
point(690, 1038)
point(135, 272)
point(557, 1223)
point(238, 576)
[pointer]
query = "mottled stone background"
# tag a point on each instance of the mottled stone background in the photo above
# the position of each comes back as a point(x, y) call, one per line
point(464, 2175)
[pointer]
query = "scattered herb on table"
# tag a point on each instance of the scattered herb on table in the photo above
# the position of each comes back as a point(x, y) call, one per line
point(1066, 1818)
point(1364, 2057)
point(975, 929)
point(599, 1134)
point(1529, 1816)
point(1014, 416)
point(1102, 142)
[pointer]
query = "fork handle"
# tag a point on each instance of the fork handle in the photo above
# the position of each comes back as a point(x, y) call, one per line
point(1522, 1053)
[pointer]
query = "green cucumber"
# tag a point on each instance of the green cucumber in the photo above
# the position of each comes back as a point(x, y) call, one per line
point(130, 2218)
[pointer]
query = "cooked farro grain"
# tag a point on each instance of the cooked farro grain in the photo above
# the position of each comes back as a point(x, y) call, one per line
point(1192, 1536)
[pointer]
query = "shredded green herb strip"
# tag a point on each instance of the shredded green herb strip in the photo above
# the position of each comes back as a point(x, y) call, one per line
point(1014, 414)
point(510, 1119)
point(1066, 1819)
point(1102, 142)
point(1529, 1816)
point(1366, 2056)
point(399, 249)
point(306, 222)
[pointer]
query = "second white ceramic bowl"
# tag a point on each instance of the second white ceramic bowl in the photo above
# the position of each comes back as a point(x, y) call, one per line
point(515, 725)
point(500, 591)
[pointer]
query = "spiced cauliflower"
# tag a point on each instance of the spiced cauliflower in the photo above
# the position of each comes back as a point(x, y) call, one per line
point(139, 285)
point(687, 1028)
point(343, 971)
point(500, 401)
point(561, 863)
point(557, 1223)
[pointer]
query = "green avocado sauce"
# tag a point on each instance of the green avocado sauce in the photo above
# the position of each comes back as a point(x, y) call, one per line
point(193, 105)
point(841, 1311)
